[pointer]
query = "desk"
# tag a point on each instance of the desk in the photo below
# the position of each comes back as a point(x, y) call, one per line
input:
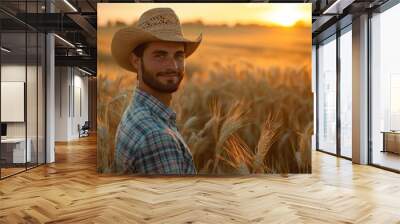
point(391, 141)
point(13, 150)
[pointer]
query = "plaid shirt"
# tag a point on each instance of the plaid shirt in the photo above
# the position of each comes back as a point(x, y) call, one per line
point(148, 141)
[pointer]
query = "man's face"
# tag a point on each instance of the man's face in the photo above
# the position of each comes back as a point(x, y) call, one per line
point(162, 66)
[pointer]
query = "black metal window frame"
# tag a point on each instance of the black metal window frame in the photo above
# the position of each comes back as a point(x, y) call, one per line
point(337, 35)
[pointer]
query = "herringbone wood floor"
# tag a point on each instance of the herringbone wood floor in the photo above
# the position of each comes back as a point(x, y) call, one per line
point(70, 191)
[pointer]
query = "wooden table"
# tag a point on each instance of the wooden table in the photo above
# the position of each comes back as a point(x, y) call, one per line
point(391, 141)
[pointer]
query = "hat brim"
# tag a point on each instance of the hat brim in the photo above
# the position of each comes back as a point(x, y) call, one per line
point(127, 39)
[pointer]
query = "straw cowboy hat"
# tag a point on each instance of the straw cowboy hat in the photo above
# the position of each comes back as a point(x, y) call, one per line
point(159, 24)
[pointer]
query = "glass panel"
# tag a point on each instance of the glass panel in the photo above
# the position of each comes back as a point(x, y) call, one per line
point(17, 6)
point(31, 98)
point(13, 87)
point(31, 86)
point(41, 98)
point(394, 102)
point(23, 88)
point(385, 89)
point(346, 94)
point(327, 96)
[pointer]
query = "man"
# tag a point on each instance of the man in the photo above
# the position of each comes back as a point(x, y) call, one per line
point(147, 140)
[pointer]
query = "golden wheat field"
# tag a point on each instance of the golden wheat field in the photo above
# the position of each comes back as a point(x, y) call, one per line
point(245, 105)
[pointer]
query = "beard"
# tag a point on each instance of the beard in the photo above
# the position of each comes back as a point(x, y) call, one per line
point(151, 80)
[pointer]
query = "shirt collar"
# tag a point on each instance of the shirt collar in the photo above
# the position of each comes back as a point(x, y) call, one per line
point(155, 105)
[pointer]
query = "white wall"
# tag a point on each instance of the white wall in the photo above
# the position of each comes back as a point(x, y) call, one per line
point(70, 83)
point(33, 127)
point(62, 81)
point(16, 73)
point(80, 89)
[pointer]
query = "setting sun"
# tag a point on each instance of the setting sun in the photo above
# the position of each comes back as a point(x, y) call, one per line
point(286, 15)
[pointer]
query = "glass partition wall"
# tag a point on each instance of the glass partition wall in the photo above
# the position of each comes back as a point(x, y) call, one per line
point(345, 62)
point(334, 90)
point(385, 89)
point(22, 77)
point(327, 95)
point(334, 94)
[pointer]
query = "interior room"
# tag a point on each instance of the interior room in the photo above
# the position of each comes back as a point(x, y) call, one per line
point(49, 126)
point(385, 89)
point(22, 102)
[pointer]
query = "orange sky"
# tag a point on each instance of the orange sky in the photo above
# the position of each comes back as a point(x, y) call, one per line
point(282, 14)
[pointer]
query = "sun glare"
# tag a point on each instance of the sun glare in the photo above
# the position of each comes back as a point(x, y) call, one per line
point(278, 14)
point(286, 16)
